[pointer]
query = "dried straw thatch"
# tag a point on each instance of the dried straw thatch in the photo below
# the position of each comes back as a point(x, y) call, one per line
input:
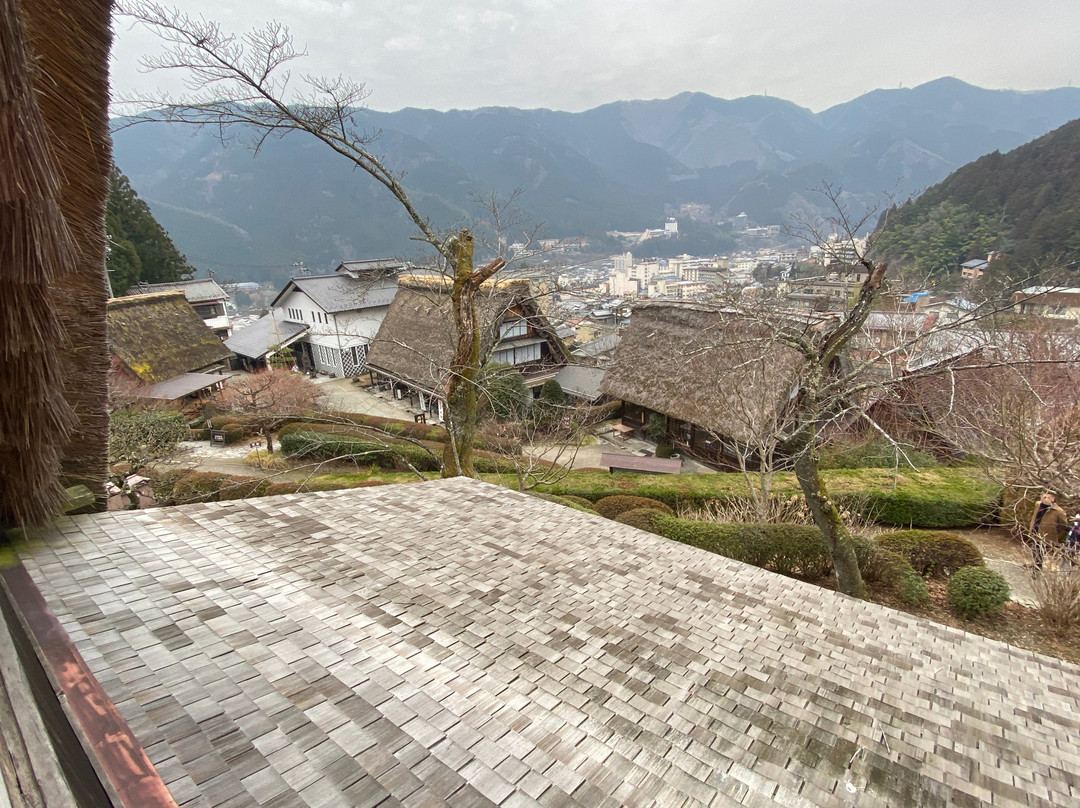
point(158, 337)
point(55, 155)
point(415, 343)
point(705, 365)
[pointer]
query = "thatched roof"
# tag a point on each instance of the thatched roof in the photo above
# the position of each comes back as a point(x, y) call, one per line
point(415, 343)
point(158, 337)
point(54, 151)
point(710, 366)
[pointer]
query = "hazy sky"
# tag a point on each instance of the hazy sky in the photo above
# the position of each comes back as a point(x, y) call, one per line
point(577, 54)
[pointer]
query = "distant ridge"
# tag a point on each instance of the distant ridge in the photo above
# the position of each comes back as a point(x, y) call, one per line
point(612, 167)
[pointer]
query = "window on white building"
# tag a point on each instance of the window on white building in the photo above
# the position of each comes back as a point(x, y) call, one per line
point(513, 328)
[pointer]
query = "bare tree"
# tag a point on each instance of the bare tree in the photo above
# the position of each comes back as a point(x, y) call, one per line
point(239, 85)
point(846, 368)
point(269, 397)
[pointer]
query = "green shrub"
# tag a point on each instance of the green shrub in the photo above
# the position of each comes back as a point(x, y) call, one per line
point(641, 518)
point(664, 451)
point(243, 489)
point(275, 489)
point(163, 482)
point(977, 591)
point(610, 507)
point(872, 454)
point(584, 503)
point(933, 553)
point(199, 434)
point(656, 426)
point(922, 508)
point(387, 454)
point(139, 436)
point(786, 549)
point(716, 537)
point(506, 395)
point(493, 464)
point(234, 434)
point(566, 502)
point(936, 498)
point(889, 571)
point(372, 426)
point(201, 486)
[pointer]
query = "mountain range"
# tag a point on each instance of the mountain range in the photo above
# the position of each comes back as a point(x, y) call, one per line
point(618, 166)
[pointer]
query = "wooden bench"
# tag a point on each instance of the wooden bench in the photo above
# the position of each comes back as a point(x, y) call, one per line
point(644, 465)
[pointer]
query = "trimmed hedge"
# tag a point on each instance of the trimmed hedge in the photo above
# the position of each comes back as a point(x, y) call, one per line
point(566, 502)
point(923, 509)
point(337, 442)
point(785, 549)
point(936, 498)
point(888, 570)
point(641, 518)
point(977, 591)
point(201, 486)
point(584, 503)
point(610, 507)
point(388, 426)
point(932, 553)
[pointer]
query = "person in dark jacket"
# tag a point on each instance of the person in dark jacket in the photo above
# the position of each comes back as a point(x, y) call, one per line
point(1049, 525)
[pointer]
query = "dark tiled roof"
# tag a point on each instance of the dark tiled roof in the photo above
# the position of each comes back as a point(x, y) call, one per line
point(202, 290)
point(181, 386)
point(582, 381)
point(454, 643)
point(604, 343)
point(255, 339)
point(343, 292)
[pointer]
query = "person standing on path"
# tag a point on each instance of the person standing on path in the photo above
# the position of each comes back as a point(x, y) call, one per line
point(1048, 526)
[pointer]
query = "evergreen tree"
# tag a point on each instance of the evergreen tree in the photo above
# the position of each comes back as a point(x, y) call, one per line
point(139, 247)
point(1024, 202)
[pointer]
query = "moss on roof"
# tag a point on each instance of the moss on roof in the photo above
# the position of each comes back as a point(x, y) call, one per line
point(159, 336)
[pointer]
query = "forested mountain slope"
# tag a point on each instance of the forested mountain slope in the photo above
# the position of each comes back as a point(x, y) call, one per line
point(1025, 202)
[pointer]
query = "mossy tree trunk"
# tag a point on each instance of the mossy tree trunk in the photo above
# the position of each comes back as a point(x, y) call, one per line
point(827, 518)
point(462, 392)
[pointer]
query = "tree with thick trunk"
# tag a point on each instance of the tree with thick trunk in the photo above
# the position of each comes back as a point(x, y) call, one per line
point(462, 393)
point(242, 85)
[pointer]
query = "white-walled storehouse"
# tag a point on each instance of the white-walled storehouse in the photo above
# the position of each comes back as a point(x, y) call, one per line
point(342, 312)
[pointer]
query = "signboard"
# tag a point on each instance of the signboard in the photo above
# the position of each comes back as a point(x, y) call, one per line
point(217, 436)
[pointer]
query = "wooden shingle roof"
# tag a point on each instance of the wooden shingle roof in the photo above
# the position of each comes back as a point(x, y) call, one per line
point(453, 643)
point(159, 336)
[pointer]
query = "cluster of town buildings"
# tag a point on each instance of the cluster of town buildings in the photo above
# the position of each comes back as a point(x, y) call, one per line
point(385, 321)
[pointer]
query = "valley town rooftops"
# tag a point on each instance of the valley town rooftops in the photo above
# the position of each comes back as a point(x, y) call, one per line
point(455, 643)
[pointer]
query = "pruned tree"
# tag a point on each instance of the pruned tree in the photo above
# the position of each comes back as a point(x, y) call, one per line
point(241, 86)
point(269, 397)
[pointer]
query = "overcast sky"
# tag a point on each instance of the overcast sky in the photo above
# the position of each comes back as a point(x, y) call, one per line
point(578, 54)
